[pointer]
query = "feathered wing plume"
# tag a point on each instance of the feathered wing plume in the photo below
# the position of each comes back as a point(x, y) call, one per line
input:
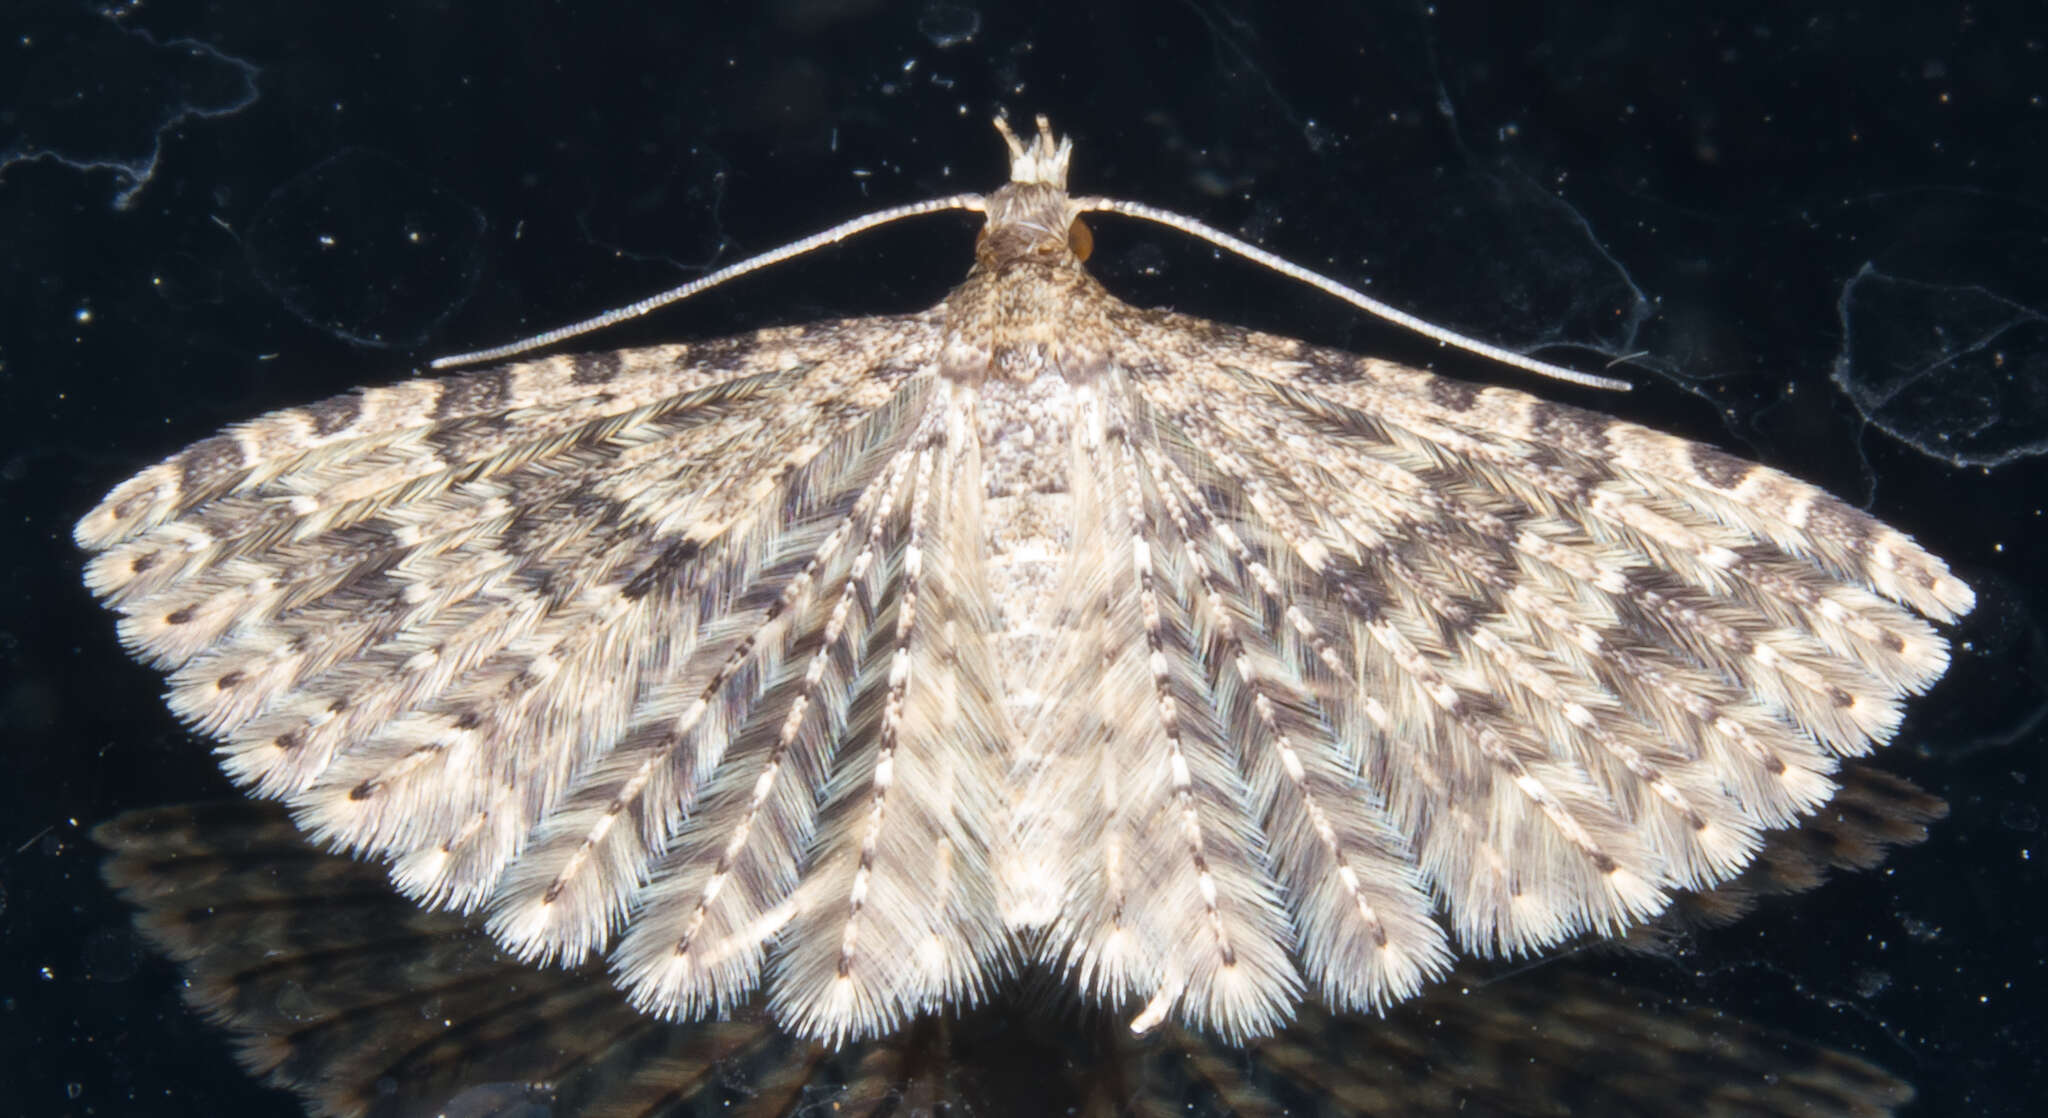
point(1348, 636)
point(887, 704)
point(834, 655)
point(584, 636)
point(1188, 788)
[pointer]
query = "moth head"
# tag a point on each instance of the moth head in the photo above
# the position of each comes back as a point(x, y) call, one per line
point(1031, 219)
point(1032, 223)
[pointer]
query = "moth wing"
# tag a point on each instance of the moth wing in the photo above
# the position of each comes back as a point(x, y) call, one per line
point(503, 628)
point(1553, 666)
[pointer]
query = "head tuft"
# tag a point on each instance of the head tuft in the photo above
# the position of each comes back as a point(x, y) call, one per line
point(1043, 160)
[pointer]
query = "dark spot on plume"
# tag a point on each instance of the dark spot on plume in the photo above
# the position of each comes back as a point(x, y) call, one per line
point(474, 394)
point(727, 357)
point(229, 681)
point(289, 740)
point(143, 563)
point(1578, 431)
point(1894, 643)
point(1603, 863)
point(179, 616)
point(1456, 395)
point(334, 413)
point(468, 720)
point(593, 368)
point(677, 556)
point(1841, 698)
point(207, 466)
point(363, 791)
point(1359, 589)
point(1722, 471)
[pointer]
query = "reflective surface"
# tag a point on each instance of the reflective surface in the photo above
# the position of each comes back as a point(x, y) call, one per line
point(351, 998)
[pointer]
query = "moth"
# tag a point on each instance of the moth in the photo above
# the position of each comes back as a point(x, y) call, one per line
point(868, 661)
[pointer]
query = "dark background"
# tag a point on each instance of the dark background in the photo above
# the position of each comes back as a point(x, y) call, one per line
point(1817, 234)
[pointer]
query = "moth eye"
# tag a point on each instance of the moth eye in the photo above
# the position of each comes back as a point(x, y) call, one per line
point(1080, 239)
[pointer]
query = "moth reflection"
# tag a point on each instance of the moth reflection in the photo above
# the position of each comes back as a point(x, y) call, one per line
point(364, 1005)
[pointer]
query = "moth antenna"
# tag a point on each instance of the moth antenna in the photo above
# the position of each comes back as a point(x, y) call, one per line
point(1351, 295)
point(971, 202)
